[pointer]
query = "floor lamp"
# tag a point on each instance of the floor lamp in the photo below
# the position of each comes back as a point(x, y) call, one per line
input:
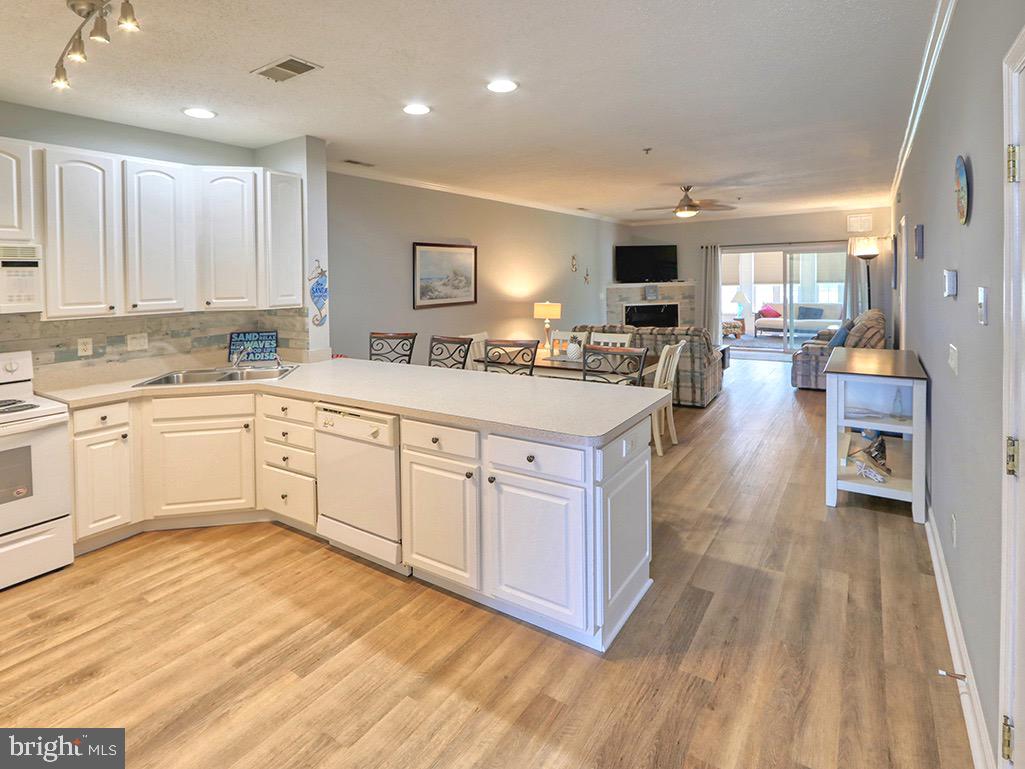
point(867, 249)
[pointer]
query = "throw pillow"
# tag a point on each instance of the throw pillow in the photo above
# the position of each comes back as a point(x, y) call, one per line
point(769, 311)
point(839, 337)
point(809, 313)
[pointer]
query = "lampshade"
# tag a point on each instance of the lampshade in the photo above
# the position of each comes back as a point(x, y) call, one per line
point(866, 248)
point(740, 298)
point(547, 310)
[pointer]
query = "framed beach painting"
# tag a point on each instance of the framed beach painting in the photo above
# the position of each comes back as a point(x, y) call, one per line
point(444, 274)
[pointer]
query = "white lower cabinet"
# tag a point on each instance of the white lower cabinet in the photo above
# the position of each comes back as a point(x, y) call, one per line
point(103, 472)
point(535, 546)
point(440, 517)
point(200, 466)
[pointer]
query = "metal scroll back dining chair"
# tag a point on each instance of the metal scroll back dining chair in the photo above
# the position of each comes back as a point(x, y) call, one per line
point(614, 365)
point(449, 351)
point(510, 356)
point(392, 348)
point(665, 379)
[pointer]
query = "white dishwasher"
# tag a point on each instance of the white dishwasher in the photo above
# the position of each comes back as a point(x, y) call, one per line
point(358, 483)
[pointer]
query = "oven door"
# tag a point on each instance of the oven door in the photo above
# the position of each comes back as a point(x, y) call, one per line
point(35, 472)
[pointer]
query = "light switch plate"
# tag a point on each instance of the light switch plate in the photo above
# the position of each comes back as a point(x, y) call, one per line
point(952, 358)
point(137, 342)
point(85, 347)
point(950, 283)
point(983, 306)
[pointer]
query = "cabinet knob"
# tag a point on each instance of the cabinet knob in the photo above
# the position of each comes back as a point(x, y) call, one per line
point(208, 302)
point(469, 474)
point(284, 409)
point(284, 459)
point(245, 426)
point(435, 439)
point(124, 436)
point(134, 305)
point(284, 434)
point(284, 496)
point(530, 457)
point(110, 307)
point(103, 417)
point(491, 479)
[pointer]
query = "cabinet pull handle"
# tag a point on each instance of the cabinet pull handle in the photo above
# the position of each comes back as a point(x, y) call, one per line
point(124, 436)
point(469, 474)
point(284, 459)
point(103, 417)
point(530, 457)
point(245, 426)
point(491, 479)
point(435, 439)
point(284, 496)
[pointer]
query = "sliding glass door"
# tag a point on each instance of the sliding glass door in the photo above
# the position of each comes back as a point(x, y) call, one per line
point(814, 291)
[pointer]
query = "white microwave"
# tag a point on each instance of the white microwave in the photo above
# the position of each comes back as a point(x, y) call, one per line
point(21, 279)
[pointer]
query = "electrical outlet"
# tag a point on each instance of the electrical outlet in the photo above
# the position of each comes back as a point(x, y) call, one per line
point(85, 347)
point(953, 530)
point(952, 358)
point(137, 342)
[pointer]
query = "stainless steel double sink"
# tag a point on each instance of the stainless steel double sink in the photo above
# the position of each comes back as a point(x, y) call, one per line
point(212, 375)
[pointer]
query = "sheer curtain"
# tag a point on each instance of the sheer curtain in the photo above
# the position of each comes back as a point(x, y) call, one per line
point(855, 288)
point(713, 312)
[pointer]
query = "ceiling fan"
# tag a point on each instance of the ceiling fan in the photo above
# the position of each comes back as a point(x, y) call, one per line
point(688, 207)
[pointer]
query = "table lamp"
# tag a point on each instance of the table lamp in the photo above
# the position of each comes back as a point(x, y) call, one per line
point(547, 311)
point(740, 299)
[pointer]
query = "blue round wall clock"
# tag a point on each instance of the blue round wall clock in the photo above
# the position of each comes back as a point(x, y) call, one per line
point(962, 193)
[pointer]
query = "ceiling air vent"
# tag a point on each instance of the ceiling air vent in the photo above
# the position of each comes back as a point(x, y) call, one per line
point(286, 69)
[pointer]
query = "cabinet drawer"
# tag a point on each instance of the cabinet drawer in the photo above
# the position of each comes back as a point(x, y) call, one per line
point(436, 439)
point(200, 406)
point(288, 458)
point(620, 450)
point(288, 433)
point(537, 458)
point(289, 495)
point(288, 408)
point(111, 415)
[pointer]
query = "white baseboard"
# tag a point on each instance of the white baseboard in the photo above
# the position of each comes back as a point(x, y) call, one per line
point(978, 735)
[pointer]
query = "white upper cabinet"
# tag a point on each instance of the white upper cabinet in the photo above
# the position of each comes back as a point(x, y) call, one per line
point(159, 245)
point(230, 200)
point(16, 201)
point(83, 246)
point(283, 239)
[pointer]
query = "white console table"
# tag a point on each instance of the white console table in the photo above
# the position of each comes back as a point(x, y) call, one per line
point(882, 390)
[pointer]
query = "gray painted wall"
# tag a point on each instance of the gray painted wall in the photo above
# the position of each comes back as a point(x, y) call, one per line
point(689, 236)
point(963, 115)
point(523, 257)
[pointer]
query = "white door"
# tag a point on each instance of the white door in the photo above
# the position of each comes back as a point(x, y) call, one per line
point(103, 472)
point(158, 248)
point(83, 246)
point(534, 546)
point(283, 259)
point(440, 517)
point(228, 252)
point(16, 202)
point(200, 466)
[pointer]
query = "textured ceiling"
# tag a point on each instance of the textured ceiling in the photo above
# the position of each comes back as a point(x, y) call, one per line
point(792, 105)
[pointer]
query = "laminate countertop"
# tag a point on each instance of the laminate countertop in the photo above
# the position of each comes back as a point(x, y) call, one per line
point(555, 410)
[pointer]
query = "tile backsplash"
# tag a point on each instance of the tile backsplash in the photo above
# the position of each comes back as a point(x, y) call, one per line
point(56, 341)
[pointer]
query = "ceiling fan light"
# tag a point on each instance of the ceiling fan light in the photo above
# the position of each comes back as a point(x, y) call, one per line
point(687, 212)
point(99, 33)
point(76, 52)
point(60, 77)
point(127, 20)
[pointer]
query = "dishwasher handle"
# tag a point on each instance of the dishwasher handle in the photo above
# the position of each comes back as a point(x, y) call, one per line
point(380, 429)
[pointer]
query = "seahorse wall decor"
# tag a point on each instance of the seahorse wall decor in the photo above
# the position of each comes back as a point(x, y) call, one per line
point(318, 293)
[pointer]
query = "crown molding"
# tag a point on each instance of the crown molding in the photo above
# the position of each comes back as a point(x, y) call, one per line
point(930, 57)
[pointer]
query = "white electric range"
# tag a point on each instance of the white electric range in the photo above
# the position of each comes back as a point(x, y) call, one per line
point(35, 476)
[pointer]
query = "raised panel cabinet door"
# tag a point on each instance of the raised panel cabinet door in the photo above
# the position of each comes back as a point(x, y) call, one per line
point(103, 478)
point(283, 263)
point(625, 504)
point(17, 209)
point(228, 240)
point(195, 466)
point(157, 253)
point(441, 518)
point(83, 248)
point(535, 546)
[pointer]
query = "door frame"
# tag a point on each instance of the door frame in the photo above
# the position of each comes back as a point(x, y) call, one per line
point(1012, 640)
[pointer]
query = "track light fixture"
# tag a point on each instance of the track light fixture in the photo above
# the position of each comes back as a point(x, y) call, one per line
point(95, 11)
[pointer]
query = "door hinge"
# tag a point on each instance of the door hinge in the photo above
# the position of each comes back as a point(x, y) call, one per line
point(1013, 452)
point(1007, 739)
point(1012, 162)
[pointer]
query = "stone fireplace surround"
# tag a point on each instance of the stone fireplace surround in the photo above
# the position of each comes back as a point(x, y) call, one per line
point(680, 292)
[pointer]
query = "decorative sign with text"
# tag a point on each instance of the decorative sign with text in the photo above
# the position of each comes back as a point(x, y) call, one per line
point(253, 346)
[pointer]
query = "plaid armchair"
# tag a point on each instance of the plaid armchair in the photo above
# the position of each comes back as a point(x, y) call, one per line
point(699, 376)
point(867, 330)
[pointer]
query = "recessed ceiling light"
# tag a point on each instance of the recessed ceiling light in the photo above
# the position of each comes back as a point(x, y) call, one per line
point(200, 113)
point(416, 109)
point(502, 86)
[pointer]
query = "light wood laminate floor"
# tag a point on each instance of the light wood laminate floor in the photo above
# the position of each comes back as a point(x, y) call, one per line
point(778, 633)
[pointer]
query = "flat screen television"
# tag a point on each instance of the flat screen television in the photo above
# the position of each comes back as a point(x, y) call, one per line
point(645, 264)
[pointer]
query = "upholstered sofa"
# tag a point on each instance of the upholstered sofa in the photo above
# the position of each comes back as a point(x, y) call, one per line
point(699, 376)
point(829, 316)
point(867, 330)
